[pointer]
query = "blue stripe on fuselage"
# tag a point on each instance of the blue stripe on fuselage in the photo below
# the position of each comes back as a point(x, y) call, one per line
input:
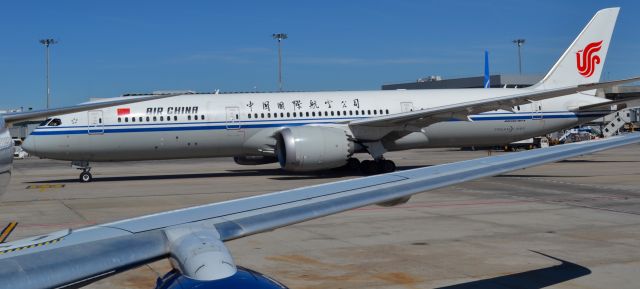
point(278, 123)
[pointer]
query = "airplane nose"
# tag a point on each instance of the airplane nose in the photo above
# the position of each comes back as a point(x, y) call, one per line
point(29, 145)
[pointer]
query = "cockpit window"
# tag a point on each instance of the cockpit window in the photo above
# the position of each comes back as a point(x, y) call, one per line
point(55, 122)
point(45, 122)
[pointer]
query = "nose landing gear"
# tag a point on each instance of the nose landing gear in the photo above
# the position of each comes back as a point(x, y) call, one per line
point(85, 175)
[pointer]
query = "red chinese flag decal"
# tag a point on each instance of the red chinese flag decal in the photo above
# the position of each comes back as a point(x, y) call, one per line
point(124, 111)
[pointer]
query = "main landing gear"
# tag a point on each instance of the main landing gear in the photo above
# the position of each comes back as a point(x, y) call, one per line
point(371, 167)
point(85, 175)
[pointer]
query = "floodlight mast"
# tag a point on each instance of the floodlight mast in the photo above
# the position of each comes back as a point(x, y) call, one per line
point(48, 42)
point(519, 42)
point(280, 37)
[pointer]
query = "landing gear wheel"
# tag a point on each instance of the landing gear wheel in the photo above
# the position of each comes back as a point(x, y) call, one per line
point(353, 164)
point(369, 167)
point(387, 166)
point(85, 177)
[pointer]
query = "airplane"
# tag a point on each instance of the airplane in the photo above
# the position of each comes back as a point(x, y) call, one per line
point(193, 239)
point(8, 119)
point(309, 131)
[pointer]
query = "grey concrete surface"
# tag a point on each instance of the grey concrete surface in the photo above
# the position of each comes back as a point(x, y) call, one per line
point(572, 224)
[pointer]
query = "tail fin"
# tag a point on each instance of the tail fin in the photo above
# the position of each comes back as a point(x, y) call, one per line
point(583, 61)
point(487, 77)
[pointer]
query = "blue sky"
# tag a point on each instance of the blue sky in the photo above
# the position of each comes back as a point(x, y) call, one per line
point(107, 48)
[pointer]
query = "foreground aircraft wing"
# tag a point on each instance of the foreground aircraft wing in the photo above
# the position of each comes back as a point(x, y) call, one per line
point(14, 117)
point(413, 121)
point(72, 258)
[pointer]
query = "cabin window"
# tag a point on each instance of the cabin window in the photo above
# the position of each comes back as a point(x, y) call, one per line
point(381, 111)
point(55, 122)
point(344, 112)
point(294, 114)
point(369, 112)
point(161, 118)
point(332, 113)
point(189, 117)
point(119, 119)
point(338, 112)
point(45, 122)
point(155, 118)
point(288, 114)
point(313, 113)
point(133, 119)
point(356, 112)
point(140, 119)
point(147, 119)
point(202, 116)
point(387, 111)
point(268, 115)
point(351, 112)
point(326, 113)
point(275, 115)
point(99, 120)
point(255, 115)
point(175, 117)
point(248, 116)
point(126, 119)
point(375, 111)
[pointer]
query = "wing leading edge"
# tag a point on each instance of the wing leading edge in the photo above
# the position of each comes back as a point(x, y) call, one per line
point(82, 256)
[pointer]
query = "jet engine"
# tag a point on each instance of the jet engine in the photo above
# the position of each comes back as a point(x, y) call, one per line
point(254, 160)
point(310, 148)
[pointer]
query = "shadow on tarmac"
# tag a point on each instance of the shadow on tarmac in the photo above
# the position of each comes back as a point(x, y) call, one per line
point(533, 279)
point(276, 174)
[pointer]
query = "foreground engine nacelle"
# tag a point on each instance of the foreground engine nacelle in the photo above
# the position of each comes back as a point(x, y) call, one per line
point(310, 148)
point(394, 202)
point(254, 160)
point(244, 278)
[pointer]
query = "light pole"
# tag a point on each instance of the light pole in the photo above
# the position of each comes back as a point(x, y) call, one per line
point(519, 42)
point(280, 37)
point(48, 42)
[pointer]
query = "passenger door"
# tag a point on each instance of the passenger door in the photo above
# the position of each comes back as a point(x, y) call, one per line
point(95, 123)
point(406, 106)
point(232, 117)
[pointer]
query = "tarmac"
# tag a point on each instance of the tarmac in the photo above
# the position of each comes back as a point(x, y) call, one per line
point(571, 224)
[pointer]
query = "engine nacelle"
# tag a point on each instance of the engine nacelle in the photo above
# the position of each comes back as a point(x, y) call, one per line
point(310, 148)
point(244, 278)
point(254, 160)
point(394, 202)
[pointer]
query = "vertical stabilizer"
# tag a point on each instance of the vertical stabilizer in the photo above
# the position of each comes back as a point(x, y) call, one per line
point(583, 61)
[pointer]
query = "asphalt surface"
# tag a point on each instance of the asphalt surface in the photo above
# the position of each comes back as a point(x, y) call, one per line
point(572, 224)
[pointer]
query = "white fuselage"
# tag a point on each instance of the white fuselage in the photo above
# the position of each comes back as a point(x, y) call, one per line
point(243, 124)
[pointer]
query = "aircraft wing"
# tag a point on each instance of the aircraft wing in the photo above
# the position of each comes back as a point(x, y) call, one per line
point(377, 127)
point(72, 258)
point(608, 104)
point(14, 117)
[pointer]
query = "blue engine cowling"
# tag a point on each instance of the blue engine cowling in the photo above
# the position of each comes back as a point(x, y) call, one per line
point(243, 279)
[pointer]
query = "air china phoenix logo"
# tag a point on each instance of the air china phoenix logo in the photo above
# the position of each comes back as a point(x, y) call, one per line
point(586, 60)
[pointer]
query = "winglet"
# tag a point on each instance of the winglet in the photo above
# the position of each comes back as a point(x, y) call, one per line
point(487, 77)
